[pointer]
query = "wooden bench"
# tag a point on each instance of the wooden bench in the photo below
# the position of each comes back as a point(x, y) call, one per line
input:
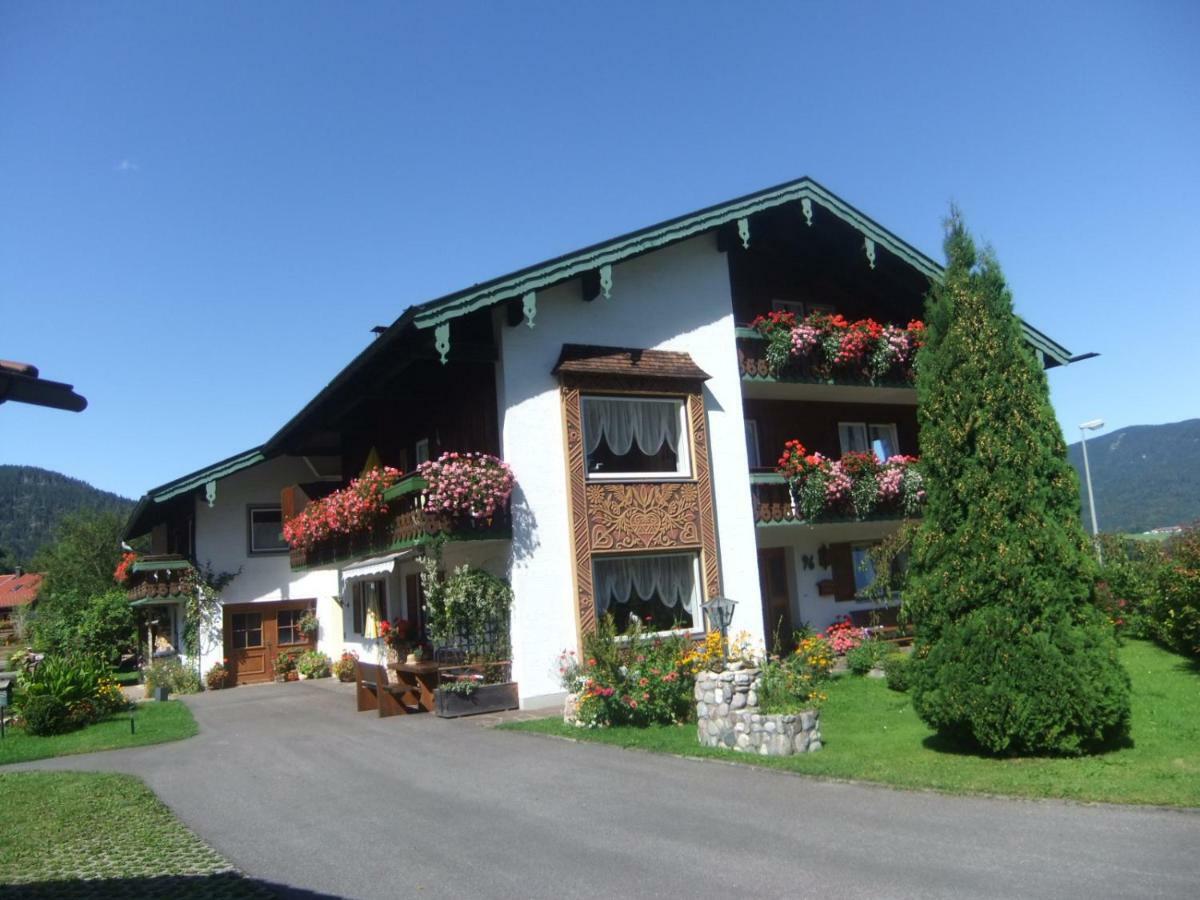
point(373, 691)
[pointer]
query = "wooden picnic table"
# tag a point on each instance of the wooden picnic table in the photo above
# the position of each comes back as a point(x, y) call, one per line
point(422, 676)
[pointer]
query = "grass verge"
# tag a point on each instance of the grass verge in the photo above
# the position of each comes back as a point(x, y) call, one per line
point(69, 834)
point(872, 734)
point(154, 723)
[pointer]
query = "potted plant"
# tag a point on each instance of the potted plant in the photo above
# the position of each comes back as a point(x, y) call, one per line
point(309, 624)
point(217, 677)
point(344, 666)
point(313, 664)
point(285, 667)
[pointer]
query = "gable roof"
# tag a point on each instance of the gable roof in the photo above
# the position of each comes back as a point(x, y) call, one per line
point(19, 590)
point(186, 483)
point(814, 198)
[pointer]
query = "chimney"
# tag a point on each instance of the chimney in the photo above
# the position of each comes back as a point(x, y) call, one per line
point(18, 571)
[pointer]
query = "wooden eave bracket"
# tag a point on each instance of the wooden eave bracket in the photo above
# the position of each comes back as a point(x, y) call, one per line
point(441, 341)
point(869, 247)
point(743, 229)
point(529, 307)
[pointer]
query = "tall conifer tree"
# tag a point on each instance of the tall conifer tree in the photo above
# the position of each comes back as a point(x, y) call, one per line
point(1011, 653)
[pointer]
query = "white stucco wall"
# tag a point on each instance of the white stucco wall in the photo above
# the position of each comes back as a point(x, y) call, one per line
point(677, 298)
point(221, 543)
point(808, 606)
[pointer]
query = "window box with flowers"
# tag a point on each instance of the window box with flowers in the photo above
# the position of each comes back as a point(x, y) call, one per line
point(857, 487)
point(462, 495)
point(830, 348)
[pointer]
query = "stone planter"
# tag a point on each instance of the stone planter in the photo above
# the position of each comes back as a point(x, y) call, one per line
point(727, 715)
point(487, 698)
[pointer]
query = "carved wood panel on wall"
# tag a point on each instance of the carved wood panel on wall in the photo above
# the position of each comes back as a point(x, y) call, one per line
point(631, 517)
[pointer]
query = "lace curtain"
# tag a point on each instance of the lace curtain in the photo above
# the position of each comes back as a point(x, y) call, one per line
point(622, 423)
point(672, 578)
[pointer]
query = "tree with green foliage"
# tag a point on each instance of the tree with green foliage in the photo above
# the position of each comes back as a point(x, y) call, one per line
point(1012, 656)
point(79, 609)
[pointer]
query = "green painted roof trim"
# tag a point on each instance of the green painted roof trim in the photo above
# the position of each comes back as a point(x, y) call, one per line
point(201, 477)
point(170, 600)
point(189, 482)
point(436, 312)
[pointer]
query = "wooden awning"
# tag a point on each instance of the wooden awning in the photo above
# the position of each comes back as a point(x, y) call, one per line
point(588, 359)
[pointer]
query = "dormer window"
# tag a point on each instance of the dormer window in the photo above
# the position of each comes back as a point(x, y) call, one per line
point(635, 438)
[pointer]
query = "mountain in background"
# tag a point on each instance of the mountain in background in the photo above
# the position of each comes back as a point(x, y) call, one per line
point(1144, 476)
point(33, 501)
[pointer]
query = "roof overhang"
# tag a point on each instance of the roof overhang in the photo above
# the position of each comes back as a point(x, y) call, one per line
point(141, 519)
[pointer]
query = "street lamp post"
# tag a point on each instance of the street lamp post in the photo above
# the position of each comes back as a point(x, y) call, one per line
point(1084, 428)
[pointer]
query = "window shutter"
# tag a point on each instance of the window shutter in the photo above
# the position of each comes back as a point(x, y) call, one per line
point(841, 560)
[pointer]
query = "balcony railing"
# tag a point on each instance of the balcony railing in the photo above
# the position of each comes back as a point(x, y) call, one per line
point(753, 367)
point(406, 523)
point(160, 580)
point(773, 505)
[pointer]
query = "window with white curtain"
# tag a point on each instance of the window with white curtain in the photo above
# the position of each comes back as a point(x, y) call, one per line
point(635, 437)
point(877, 437)
point(661, 591)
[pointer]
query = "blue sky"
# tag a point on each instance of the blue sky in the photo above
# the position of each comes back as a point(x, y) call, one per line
point(205, 207)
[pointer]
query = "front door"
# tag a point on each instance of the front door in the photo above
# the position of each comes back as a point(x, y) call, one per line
point(776, 602)
point(256, 633)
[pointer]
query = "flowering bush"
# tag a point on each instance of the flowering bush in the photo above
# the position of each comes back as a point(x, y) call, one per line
point(357, 507)
point(843, 636)
point(632, 680)
point(857, 485)
point(474, 485)
point(831, 345)
point(791, 683)
point(708, 656)
point(313, 664)
point(124, 567)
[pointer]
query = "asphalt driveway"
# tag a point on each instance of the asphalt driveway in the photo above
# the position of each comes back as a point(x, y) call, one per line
point(296, 788)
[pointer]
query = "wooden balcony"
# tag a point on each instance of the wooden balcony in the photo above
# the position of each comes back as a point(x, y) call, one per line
point(799, 382)
point(406, 524)
point(772, 499)
point(159, 580)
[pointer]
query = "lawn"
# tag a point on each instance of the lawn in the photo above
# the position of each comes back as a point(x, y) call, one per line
point(872, 734)
point(154, 723)
point(69, 835)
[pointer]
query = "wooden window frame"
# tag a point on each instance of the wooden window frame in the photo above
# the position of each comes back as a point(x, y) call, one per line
point(684, 470)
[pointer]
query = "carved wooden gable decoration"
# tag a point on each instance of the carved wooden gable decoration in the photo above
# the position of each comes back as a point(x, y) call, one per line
point(636, 516)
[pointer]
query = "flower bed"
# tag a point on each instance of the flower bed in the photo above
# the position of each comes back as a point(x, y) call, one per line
point(632, 680)
point(856, 486)
point(831, 345)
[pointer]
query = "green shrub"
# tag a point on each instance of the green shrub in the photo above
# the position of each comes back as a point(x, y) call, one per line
point(171, 674)
point(45, 714)
point(866, 656)
point(789, 685)
point(71, 680)
point(1014, 656)
point(1174, 615)
point(313, 664)
point(1010, 689)
point(898, 669)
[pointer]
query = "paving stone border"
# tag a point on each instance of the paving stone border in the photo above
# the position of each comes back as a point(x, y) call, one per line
point(727, 715)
